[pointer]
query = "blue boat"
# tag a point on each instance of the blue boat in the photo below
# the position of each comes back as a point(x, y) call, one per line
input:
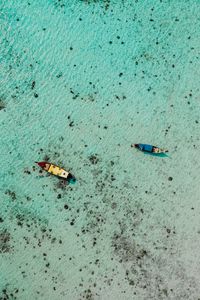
point(149, 148)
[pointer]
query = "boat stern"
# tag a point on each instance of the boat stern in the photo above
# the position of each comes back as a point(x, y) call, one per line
point(135, 145)
point(71, 178)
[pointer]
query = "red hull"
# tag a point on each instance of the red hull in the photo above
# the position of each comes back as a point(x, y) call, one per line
point(42, 164)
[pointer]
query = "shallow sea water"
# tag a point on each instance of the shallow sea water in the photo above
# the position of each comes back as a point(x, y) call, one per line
point(81, 81)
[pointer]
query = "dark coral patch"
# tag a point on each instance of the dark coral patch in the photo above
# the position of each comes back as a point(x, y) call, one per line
point(94, 159)
point(5, 241)
point(2, 104)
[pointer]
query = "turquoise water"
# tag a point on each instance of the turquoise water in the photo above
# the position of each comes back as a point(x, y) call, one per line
point(80, 82)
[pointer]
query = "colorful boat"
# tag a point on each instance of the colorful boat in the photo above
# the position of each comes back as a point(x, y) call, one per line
point(149, 148)
point(55, 170)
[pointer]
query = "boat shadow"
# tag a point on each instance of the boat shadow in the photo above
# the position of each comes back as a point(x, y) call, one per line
point(157, 154)
point(72, 180)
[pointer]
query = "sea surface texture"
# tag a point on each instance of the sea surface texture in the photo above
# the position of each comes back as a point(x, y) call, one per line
point(81, 81)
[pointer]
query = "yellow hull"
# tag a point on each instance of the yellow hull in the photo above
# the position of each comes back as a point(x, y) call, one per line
point(57, 171)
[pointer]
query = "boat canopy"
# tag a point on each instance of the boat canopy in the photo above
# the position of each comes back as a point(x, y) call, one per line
point(146, 147)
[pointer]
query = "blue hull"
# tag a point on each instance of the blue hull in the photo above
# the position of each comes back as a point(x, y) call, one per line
point(145, 147)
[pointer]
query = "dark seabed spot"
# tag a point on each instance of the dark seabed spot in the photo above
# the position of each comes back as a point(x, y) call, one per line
point(106, 3)
point(94, 159)
point(33, 85)
point(8, 293)
point(5, 241)
point(2, 104)
point(11, 194)
point(126, 249)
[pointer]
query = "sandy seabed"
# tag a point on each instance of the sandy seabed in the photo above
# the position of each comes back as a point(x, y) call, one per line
point(81, 81)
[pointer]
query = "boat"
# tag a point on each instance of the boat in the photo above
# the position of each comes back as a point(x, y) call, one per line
point(57, 171)
point(149, 148)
